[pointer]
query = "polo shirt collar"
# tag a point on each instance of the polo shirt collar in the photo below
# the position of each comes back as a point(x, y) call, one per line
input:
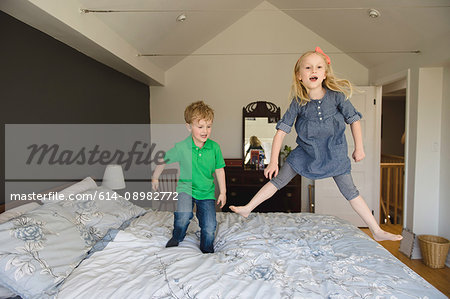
point(207, 144)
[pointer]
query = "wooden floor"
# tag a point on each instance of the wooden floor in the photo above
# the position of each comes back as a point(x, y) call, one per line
point(439, 278)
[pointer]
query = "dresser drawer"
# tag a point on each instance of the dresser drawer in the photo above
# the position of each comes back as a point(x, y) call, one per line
point(242, 185)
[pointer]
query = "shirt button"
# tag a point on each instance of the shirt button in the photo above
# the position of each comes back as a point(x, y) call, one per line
point(199, 154)
point(320, 102)
point(318, 107)
point(320, 118)
point(320, 113)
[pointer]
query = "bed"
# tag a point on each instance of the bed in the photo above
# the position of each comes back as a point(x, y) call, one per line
point(267, 255)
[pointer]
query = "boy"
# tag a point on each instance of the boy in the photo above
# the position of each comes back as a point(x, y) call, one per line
point(199, 158)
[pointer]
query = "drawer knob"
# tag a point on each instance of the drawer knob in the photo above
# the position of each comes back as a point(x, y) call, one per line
point(289, 194)
point(233, 180)
point(261, 180)
point(233, 194)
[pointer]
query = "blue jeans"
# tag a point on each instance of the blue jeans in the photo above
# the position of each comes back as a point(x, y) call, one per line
point(206, 215)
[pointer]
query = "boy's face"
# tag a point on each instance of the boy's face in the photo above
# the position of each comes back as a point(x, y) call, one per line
point(201, 130)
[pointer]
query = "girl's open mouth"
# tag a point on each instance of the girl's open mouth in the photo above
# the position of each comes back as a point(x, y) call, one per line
point(313, 78)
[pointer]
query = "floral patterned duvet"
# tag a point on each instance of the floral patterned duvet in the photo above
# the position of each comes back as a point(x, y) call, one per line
point(272, 255)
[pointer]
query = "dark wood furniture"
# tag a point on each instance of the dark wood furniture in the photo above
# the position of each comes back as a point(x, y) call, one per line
point(242, 185)
point(244, 181)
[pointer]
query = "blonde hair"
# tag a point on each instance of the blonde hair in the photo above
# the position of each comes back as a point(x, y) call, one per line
point(300, 91)
point(197, 111)
point(254, 141)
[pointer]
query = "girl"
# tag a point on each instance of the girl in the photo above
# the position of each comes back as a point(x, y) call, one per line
point(320, 110)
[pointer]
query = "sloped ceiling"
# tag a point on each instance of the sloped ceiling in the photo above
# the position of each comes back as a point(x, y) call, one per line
point(155, 41)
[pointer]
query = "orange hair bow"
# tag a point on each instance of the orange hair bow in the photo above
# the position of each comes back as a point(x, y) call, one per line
point(319, 50)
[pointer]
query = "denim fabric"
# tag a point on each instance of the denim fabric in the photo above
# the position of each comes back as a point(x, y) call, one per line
point(320, 125)
point(206, 215)
point(346, 186)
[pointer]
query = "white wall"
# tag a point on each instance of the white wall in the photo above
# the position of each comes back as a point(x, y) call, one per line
point(428, 151)
point(444, 191)
point(229, 82)
point(422, 120)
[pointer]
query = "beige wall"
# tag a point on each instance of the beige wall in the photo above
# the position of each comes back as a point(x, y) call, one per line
point(229, 82)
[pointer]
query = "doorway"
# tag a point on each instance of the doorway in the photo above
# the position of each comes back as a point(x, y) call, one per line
point(392, 166)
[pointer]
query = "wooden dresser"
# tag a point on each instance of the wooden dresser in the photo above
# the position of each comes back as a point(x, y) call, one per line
point(242, 185)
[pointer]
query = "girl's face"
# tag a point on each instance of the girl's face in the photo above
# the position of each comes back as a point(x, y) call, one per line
point(312, 71)
point(201, 130)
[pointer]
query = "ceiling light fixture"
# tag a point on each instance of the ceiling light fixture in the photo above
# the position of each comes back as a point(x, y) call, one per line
point(181, 18)
point(373, 13)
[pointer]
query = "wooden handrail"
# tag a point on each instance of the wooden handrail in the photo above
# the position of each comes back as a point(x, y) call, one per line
point(391, 164)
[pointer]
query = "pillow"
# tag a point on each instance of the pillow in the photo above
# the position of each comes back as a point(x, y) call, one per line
point(39, 250)
point(99, 210)
point(17, 211)
point(84, 185)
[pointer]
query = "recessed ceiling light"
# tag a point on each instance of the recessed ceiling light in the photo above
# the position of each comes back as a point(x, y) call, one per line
point(373, 13)
point(181, 18)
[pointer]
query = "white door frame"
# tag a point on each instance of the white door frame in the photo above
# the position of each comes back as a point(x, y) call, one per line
point(383, 81)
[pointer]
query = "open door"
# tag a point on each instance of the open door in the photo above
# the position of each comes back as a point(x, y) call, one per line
point(366, 174)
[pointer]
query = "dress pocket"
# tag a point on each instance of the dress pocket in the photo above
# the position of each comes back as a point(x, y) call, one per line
point(339, 132)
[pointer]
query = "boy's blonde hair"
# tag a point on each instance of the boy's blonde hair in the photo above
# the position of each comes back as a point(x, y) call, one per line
point(197, 111)
point(300, 91)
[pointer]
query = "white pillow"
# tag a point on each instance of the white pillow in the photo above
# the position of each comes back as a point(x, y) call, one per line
point(17, 211)
point(82, 186)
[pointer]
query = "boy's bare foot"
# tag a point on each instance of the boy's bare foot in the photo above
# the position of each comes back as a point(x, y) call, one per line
point(385, 236)
point(241, 210)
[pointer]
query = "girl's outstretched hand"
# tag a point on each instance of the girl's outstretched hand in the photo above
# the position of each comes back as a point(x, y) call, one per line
point(271, 170)
point(358, 154)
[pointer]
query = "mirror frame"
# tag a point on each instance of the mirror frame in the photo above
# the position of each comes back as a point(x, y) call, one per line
point(259, 109)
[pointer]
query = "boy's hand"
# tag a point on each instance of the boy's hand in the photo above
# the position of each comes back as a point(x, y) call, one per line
point(358, 154)
point(155, 184)
point(221, 200)
point(271, 170)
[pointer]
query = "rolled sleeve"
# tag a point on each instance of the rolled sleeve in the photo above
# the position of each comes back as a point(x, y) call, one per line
point(289, 117)
point(283, 127)
point(353, 118)
point(348, 110)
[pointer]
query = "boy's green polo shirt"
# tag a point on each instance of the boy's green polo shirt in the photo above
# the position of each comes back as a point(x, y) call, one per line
point(197, 166)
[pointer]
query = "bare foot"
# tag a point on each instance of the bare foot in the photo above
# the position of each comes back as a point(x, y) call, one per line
point(241, 210)
point(385, 236)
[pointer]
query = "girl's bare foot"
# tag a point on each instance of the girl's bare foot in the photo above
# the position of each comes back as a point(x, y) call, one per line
point(241, 210)
point(382, 235)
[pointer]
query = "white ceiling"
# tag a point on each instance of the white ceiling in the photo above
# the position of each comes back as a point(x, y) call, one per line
point(403, 25)
point(150, 27)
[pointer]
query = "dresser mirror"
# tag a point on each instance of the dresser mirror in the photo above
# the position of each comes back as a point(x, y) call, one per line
point(259, 121)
